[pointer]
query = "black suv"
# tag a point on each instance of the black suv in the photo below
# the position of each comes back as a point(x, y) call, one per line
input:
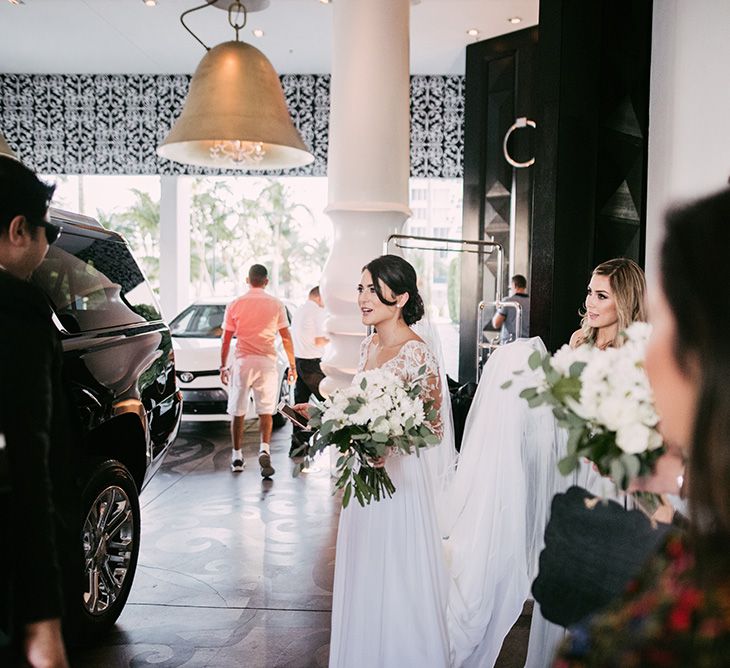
point(119, 365)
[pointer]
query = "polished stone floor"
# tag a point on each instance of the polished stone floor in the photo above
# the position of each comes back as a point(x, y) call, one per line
point(233, 570)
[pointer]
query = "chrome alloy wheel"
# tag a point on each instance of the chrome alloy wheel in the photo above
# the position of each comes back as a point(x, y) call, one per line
point(108, 537)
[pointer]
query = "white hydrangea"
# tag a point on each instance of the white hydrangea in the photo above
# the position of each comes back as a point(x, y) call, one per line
point(384, 395)
point(615, 393)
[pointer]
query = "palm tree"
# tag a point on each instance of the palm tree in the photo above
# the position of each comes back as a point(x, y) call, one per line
point(140, 226)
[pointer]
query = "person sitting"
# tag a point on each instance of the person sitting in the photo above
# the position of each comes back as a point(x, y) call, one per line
point(677, 611)
point(505, 317)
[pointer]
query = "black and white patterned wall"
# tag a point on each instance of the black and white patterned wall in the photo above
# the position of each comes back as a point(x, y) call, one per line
point(112, 124)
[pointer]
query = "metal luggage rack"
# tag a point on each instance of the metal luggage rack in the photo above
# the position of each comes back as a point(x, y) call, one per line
point(465, 246)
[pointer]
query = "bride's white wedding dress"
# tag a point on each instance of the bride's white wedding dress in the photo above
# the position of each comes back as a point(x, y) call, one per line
point(391, 582)
point(405, 597)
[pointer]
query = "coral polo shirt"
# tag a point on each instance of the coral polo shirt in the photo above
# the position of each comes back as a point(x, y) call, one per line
point(255, 318)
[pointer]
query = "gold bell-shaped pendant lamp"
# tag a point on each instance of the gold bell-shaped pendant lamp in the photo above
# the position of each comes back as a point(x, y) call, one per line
point(5, 149)
point(235, 115)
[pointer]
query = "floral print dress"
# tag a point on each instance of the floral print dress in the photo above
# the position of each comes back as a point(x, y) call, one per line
point(664, 619)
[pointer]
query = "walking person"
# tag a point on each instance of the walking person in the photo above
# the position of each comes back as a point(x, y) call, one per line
point(36, 472)
point(255, 318)
point(309, 338)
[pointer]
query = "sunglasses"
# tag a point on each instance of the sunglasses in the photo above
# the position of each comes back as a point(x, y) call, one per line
point(51, 230)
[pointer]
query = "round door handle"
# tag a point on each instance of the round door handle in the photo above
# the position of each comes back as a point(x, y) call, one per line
point(521, 122)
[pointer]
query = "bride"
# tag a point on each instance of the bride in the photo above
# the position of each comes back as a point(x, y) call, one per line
point(391, 581)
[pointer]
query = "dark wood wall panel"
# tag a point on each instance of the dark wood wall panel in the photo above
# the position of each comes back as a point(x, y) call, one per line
point(590, 173)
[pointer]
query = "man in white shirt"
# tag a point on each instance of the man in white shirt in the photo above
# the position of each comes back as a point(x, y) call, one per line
point(309, 340)
point(255, 319)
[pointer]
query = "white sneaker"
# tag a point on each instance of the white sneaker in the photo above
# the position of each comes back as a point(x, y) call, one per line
point(238, 464)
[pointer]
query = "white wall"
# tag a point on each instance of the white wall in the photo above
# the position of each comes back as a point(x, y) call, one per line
point(689, 112)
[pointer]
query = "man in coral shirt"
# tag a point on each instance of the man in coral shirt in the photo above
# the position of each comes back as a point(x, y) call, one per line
point(254, 319)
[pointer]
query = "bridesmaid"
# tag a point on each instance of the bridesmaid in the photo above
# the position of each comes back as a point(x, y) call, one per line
point(615, 298)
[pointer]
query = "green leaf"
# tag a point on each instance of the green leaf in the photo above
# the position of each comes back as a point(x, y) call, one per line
point(617, 472)
point(574, 439)
point(566, 387)
point(632, 465)
point(535, 360)
point(576, 369)
point(327, 427)
point(379, 438)
point(568, 464)
point(352, 407)
point(363, 383)
point(506, 385)
point(347, 494)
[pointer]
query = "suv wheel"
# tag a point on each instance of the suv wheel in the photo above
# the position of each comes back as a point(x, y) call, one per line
point(111, 544)
point(279, 419)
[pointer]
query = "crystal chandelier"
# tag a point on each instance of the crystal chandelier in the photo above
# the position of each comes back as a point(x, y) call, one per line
point(238, 152)
point(235, 115)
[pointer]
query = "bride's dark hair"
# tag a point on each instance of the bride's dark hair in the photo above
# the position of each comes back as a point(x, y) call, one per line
point(400, 277)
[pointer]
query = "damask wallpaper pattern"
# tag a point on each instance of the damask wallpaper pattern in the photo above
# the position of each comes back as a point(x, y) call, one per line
point(111, 124)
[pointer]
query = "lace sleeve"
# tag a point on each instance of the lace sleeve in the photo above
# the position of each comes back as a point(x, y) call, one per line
point(364, 348)
point(417, 356)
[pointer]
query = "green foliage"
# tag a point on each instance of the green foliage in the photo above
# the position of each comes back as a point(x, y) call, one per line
point(140, 226)
point(230, 233)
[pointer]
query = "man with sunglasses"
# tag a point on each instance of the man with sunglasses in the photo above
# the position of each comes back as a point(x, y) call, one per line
point(36, 530)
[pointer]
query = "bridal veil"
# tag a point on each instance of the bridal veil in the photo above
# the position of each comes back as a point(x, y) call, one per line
point(498, 507)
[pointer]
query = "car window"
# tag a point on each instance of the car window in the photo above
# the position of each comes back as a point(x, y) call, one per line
point(94, 283)
point(200, 321)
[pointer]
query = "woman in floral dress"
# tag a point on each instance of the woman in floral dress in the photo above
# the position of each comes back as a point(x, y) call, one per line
point(677, 612)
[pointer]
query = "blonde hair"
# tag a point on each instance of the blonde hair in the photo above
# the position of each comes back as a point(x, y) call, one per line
point(628, 285)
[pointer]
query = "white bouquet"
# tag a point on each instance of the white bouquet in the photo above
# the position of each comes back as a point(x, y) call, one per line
point(604, 400)
point(376, 412)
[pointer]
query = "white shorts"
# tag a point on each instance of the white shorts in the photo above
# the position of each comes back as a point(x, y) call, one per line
point(257, 374)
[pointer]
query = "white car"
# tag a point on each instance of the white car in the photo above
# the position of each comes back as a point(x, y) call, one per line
point(196, 338)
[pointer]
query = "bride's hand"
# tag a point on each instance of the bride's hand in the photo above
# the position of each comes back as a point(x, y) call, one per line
point(302, 409)
point(377, 462)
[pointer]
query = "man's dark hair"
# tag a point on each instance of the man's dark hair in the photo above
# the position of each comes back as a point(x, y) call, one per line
point(257, 275)
point(314, 292)
point(519, 281)
point(22, 193)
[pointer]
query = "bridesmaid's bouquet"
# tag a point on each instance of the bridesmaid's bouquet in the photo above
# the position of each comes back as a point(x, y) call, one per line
point(378, 411)
point(603, 399)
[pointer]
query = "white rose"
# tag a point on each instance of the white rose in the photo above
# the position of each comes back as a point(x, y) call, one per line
point(634, 438)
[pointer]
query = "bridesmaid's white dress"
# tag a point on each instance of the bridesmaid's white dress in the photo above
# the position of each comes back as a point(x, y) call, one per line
point(391, 581)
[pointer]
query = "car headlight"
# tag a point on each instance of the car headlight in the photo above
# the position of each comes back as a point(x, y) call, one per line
point(186, 376)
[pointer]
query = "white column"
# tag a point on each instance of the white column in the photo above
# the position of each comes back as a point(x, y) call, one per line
point(688, 110)
point(368, 166)
point(175, 194)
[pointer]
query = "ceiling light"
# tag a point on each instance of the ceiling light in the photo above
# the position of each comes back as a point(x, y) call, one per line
point(257, 32)
point(325, 2)
point(16, 2)
point(472, 32)
point(514, 20)
point(150, 3)
point(235, 115)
